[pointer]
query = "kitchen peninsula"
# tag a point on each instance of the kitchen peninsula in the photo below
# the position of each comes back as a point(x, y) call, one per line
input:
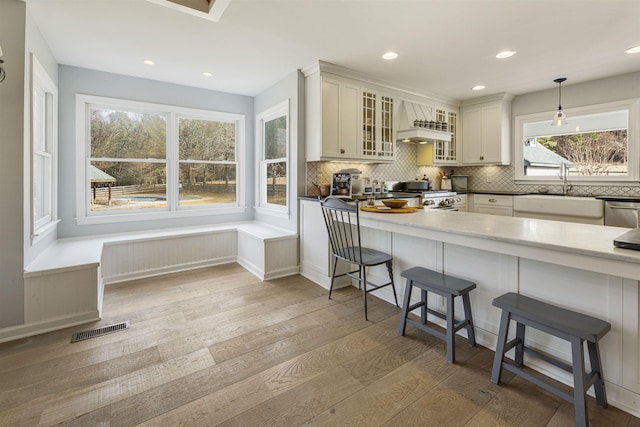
point(568, 264)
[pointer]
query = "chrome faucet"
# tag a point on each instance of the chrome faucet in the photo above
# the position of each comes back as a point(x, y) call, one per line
point(564, 173)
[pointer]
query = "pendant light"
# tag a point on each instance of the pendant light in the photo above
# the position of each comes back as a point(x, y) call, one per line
point(560, 118)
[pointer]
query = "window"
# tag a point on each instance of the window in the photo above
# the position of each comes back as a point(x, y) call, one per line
point(43, 151)
point(595, 146)
point(273, 149)
point(146, 161)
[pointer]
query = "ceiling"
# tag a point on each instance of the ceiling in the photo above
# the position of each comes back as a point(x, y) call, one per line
point(445, 47)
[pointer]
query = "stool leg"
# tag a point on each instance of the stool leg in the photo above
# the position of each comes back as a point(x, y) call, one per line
point(423, 309)
point(451, 347)
point(519, 357)
point(594, 358)
point(471, 335)
point(405, 307)
point(496, 372)
point(579, 392)
point(393, 286)
point(363, 276)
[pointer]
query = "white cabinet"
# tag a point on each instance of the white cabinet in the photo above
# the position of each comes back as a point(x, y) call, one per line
point(486, 131)
point(315, 251)
point(441, 152)
point(347, 121)
point(494, 204)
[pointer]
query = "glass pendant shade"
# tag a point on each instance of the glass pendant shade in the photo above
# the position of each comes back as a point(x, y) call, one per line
point(560, 119)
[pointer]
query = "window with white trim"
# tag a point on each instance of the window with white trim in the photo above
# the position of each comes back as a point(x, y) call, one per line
point(273, 148)
point(599, 144)
point(44, 101)
point(145, 161)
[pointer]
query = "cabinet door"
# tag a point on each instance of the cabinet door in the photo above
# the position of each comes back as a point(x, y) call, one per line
point(330, 118)
point(369, 124)
point(385, 139)
point(492, 134)
point(472, 135)
point(349, 121)
point(494, 210)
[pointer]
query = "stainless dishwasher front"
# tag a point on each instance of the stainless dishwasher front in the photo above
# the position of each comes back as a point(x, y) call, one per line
point(621, 214)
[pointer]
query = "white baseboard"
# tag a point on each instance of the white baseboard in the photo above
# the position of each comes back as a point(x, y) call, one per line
point(29, 329)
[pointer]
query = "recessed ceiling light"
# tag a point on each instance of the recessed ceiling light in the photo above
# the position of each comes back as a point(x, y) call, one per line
point(390, 55)
point(478, 87)
point(207, 74)
point(635, 49)
point(506, 54)
point(148, 62)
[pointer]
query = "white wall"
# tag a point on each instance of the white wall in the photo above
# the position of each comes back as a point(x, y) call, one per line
point(12, 106)
point(291, 88)
point(72, 81)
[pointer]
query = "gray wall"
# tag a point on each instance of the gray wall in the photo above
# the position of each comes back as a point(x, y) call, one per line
point(291, 88)
point(626, 86)
point(12, 109)
point(74, 81)
point(34, 43)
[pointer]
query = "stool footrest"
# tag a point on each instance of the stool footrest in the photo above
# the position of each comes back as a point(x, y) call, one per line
point(427, 329)
point(549, 359)
point(537, 381)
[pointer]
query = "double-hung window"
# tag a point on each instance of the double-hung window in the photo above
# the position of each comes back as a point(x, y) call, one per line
point(43, 151)
point(143, 161)
point(273, 148)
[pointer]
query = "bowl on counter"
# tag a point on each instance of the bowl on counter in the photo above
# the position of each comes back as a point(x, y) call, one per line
point(394, 203)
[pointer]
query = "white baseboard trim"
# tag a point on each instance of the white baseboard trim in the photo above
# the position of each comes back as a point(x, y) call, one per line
point(166, 270)
point(21, 331)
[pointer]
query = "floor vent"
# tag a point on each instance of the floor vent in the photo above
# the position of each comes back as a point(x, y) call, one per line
point(109, 329)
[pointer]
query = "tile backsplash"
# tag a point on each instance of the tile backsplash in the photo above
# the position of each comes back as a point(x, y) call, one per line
point(485, 178)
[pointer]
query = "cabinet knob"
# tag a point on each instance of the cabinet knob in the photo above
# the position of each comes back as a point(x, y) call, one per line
point(481, 157)
point(342, 151)
point(492, 200)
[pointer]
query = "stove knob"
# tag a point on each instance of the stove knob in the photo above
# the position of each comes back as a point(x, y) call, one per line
point(429, 202)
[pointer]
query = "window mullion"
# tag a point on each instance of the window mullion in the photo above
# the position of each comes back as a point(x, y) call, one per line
point(173, 187)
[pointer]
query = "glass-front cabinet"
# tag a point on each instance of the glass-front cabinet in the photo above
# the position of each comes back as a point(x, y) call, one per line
point(377, 126)
point(441, 152)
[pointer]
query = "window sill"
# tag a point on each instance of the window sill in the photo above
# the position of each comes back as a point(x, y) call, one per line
point(284, 214)
point(42, 232)
point(135, 217)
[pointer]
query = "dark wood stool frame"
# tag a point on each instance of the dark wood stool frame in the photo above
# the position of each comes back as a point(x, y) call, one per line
point(448, 287)
point(562, 323)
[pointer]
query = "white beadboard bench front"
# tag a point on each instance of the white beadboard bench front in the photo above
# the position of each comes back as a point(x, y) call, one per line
point(64, 286)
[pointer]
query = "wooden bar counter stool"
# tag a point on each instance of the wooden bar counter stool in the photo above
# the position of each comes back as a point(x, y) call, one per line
point(562, 323)
point(447, 286)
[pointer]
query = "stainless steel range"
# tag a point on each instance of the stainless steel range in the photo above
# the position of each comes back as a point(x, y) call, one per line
point(439, 199)
point(433, 199)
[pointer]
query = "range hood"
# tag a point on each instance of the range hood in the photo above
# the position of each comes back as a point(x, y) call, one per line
point(411, 111)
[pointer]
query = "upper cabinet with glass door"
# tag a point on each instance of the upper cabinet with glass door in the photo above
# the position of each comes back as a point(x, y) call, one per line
point(441, 151)
point(377, 126)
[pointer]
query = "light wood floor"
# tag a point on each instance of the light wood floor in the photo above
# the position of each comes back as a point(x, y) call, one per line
point(218, 347)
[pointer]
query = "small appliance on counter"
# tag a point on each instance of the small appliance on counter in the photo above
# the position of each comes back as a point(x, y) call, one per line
point(628, 240)
point(459, 183)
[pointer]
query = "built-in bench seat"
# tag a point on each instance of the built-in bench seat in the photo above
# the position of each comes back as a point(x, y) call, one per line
point(64, 285)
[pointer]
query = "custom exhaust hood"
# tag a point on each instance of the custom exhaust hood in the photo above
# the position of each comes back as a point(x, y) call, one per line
point(408, 114)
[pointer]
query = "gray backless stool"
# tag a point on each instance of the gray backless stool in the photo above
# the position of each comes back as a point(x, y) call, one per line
point(562, 323)
point(447, 286)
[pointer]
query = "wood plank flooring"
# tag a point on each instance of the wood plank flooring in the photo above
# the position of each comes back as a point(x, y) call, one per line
point(218, 347)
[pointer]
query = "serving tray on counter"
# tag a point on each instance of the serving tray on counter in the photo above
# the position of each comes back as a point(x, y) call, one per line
point(384, 209)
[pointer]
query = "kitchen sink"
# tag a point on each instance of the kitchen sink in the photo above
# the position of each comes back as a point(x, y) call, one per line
point(558, 207)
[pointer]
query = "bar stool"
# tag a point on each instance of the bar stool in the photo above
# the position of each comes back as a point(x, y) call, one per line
point(562, 323)
point(447, 286)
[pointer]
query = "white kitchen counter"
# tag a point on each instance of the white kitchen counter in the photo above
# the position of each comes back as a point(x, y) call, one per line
point(552, 241)
point(571, 265)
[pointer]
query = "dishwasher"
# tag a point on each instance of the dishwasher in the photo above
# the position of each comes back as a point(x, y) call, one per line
point(621, 213)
